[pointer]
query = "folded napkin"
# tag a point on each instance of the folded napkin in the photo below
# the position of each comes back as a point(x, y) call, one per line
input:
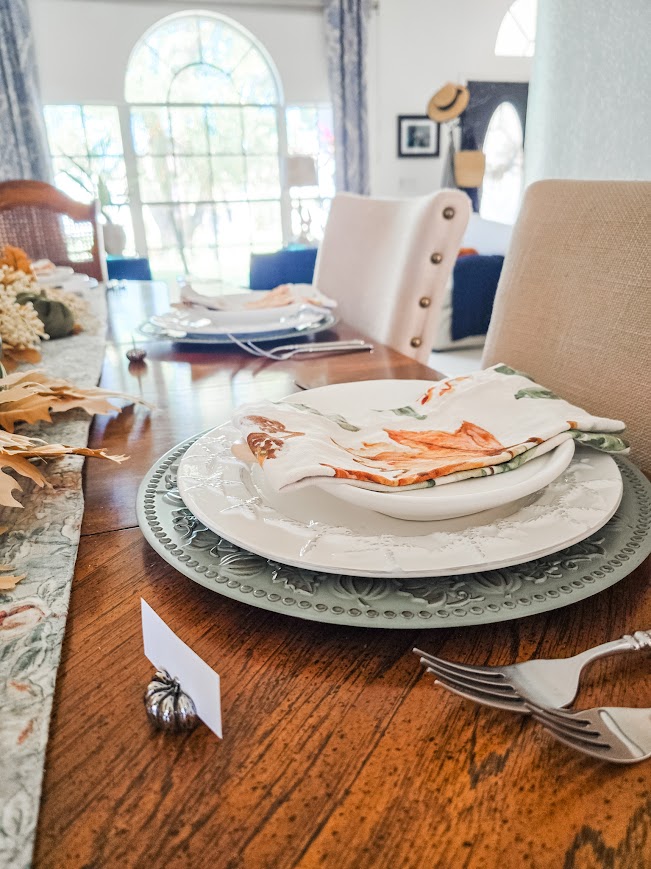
point(280, 297)
point(481, 424)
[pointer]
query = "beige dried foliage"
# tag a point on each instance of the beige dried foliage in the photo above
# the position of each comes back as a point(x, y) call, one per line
point(33, 396)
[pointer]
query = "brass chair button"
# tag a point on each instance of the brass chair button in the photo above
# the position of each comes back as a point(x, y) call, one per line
point(436, 258)
point(448, 213)
point(425, 302)
point(415, 342)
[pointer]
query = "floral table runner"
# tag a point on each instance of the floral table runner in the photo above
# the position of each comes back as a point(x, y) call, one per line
point(41, 540)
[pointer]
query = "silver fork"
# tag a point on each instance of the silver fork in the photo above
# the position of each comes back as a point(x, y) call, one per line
point(613, 733)
point(552, 683)
point(287, 351)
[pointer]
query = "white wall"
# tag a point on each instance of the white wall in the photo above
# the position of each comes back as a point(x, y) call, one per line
point(421, 44)
point(82, 46)
point(416, 46)
point(589, 114)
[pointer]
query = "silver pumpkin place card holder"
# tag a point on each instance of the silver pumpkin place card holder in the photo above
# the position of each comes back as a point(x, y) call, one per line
point(184, 690)
point(168, 707)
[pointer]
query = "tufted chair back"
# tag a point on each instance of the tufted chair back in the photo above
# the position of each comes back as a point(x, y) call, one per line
point(387, 262)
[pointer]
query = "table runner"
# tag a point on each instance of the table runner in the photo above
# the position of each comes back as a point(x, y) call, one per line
point(41, 541)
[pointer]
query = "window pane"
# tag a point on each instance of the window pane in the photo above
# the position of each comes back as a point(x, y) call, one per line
point(156, 176)
point(517, 34)
point(174, 44)
point(266, 225)
point(197, 225)
point(201, 83)
point(92, 166)
point(102, 126)
point(260, 130)
point(65, 130)
point(310, 132)
point(229, 178)
point(254, 81)
point(146, 80)
point(192, 182)
point(233, 223)
point(221, 45)
point(302, 130)
point(151, 132)
point(263, 181)
point(234, 264)
point(202, 261)
point(72, 175)
point(225, 130)
point(162, 226)
point(167, 264)
point(110, 180)
point(189, 132)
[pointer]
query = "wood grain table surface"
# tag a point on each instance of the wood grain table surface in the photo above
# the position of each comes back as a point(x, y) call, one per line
point(338, 750)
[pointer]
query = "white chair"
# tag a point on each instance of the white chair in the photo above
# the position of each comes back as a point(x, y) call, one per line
point(387, 262)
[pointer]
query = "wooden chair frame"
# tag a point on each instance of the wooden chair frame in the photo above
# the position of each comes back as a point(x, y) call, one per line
point(39, 195)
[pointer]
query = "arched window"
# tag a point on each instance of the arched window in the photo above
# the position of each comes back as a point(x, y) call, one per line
point(503, 179)
point(517, 34)
point(206, 124)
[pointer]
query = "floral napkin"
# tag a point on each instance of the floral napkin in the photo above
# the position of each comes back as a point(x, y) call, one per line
point(280, 297)
point(481, 424)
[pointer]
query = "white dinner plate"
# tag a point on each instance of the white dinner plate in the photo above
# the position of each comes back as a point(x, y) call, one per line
point(312, 529)
point(56, 276)
point(196, 321)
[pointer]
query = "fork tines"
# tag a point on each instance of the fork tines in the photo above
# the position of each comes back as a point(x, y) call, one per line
point(480, 684)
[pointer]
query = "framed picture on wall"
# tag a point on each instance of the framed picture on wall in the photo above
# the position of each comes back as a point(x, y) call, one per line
point(418, 136)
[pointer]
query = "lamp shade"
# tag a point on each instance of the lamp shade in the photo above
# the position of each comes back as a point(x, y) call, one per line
point(301, 171)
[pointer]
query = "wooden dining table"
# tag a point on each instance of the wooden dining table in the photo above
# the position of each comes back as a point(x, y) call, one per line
point(339, 750)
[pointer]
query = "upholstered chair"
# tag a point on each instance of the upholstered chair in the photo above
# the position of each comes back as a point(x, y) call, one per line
point(573, 305)
point(387, 262)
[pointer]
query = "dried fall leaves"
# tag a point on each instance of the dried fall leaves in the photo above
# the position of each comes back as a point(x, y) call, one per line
point(33, 396)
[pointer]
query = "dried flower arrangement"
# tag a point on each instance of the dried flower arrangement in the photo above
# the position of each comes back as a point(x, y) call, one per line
point(22, 323)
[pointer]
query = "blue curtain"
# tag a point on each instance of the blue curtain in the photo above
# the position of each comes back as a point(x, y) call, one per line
point(23, 148)
point(346, 23)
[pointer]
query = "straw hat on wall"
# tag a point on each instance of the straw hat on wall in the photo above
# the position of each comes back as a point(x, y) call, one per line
point(448, 102)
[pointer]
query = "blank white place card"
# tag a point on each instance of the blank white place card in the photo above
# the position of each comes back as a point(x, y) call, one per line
point(199, 681)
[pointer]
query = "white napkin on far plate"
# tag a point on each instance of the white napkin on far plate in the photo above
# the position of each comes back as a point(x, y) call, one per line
point(481, 424)
point(282, 296)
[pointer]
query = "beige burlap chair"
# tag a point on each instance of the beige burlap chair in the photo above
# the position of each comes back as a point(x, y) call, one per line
point(387, 262)
point(573, 306)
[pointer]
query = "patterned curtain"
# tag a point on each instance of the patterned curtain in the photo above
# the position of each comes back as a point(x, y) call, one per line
point(23, 148)
point(346, 24)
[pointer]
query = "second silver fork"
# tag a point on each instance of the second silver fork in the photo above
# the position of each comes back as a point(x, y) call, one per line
point(552, 683)
point(287, 351)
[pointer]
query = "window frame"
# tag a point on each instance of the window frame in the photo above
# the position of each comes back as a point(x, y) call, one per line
point(131, 157)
